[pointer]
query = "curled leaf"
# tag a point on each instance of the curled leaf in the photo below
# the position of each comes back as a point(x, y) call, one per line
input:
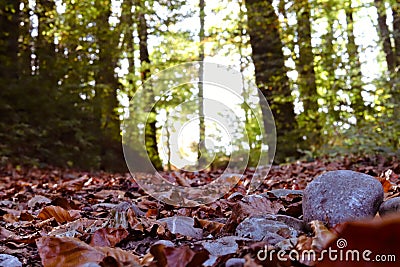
point(61, 215)
point(71, 252)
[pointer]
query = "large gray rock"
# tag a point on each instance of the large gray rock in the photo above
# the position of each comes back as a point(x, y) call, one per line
point(340, 196)
point(390, 206)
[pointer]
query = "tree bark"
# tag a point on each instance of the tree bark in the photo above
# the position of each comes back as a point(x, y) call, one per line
point(271, 76)
point(385, 36)
point(9, 33)
point(202, 129)
point(150, 128)
point(128, 22)
point(396, 32)
point(306, 80)
point(355, 75)
point(111, 155)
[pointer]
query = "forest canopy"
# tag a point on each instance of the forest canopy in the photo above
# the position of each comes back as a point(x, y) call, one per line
point(329, 70)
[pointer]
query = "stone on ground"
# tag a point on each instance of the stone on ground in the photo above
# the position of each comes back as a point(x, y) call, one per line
point(390, 206)
point(339, 196)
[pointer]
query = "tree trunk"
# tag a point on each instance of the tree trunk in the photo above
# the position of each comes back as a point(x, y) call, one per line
point(355, 75)
point(396, 32)
point(9, 33)
point(127, 21)
point(391, 53)
point(385, 35)
point(150, 128)
point(202, 130)
point(271, 76)
point(111, 155)
point(306, 80)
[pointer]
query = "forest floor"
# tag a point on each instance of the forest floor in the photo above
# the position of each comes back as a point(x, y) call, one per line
point(61, 217)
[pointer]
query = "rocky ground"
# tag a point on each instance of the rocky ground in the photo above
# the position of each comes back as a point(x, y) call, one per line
point(58, 217)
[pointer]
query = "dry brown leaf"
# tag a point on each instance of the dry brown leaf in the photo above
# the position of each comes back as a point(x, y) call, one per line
point(77, 228)
point(211, 227)
point(61, 215)
point(26, 216)
point(178, 257)
point(152, 213)
point(75, 184)
point(250, 206)
point(385, 182)
point(380, 236)
point(108, 237)
point(181, 181)
point(4, 233)
point(182, 225)
point(10, 218)
point(72, 252)
point(322, 236)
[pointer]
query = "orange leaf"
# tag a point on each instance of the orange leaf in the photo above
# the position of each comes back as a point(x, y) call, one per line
point(61, 215)
point(210, 226)
point(71, 252)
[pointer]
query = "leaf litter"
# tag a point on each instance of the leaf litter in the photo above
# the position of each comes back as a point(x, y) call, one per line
point(62, 217)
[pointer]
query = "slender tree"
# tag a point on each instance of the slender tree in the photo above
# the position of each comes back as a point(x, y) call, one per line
point(306, 79)
point(201, 148)
point(128, 42)
point(150, 128)
point(385, 35)
point(354, 67)
point(391, 51)
point(396, 30)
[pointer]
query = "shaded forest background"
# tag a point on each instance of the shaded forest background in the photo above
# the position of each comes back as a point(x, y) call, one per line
point(69, 67)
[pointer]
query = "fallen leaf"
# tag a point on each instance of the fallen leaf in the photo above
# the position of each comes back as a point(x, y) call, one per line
point(211, 227)
point(380, 236)
point(182, 225)
point(250, 206)
point(178, 257)
point(38, 199)
point(61, 215)
point(10, 218)
point(384, 179)
point(322, 236)
point(222, 246)
point(108, 237)
point(4, 233)
point(318, 242)
point(72, 252)
point(26, 216)
point(182, 181)
point(77, 228)
point(75, 184)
